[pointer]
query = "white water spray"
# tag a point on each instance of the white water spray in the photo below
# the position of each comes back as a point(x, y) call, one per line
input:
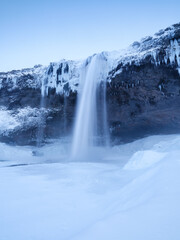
point(85, 131)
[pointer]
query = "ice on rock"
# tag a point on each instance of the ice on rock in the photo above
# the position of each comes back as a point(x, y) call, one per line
point(174, 52)
point(22, 118)
point(7, 121)
point(61, 73)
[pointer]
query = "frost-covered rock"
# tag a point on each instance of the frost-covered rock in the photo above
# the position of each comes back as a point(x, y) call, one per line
point(143, 90)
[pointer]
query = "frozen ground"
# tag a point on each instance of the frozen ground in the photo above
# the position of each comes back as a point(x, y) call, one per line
point(129, 192)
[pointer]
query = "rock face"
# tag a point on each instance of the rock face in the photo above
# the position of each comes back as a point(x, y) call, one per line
point(143, 93)
point(144, 100)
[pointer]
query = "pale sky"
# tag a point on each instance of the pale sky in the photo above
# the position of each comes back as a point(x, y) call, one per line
point(41, 31)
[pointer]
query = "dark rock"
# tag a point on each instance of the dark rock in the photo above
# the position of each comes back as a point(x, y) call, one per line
point(138, 107)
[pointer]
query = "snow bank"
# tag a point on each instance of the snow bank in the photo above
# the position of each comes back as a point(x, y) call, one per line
point(144, 159)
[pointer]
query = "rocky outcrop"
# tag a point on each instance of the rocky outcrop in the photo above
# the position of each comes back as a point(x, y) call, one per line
point(144, 100)
point(143, 93)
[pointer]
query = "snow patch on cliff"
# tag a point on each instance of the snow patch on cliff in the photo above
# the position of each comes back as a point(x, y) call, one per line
point(20, 119)
point(29, 77)
point(7, 121)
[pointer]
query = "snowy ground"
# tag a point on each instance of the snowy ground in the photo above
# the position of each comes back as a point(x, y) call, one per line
point(129, 192)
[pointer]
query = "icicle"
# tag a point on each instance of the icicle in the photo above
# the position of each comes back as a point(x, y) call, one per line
point(154, 57)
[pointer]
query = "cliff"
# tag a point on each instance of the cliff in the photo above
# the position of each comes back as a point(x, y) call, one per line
point(142, 95)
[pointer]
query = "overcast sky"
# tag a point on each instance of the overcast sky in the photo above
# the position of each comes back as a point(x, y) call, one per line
point(40, 31)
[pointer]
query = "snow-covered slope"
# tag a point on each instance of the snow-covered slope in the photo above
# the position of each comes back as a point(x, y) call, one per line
point(121, 194)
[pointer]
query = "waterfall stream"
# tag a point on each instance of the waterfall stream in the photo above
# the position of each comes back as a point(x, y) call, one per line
point(40, 130)
point(86, 127)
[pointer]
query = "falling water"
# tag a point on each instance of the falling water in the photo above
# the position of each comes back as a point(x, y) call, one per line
point(103, 122)
point(65, 114)
point(40, 131)
point(85, 132)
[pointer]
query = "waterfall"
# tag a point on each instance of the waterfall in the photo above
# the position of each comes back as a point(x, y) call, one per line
point(94, 71)
point(102, 121)
point(40, 130)
point(65, 114)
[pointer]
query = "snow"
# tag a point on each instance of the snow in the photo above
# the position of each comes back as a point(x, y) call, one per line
point(128, 192)
point(144, 159)
point(13, 120)
point(37, 72)
point(71, 77)
point(7, 122)
point(118, 72)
